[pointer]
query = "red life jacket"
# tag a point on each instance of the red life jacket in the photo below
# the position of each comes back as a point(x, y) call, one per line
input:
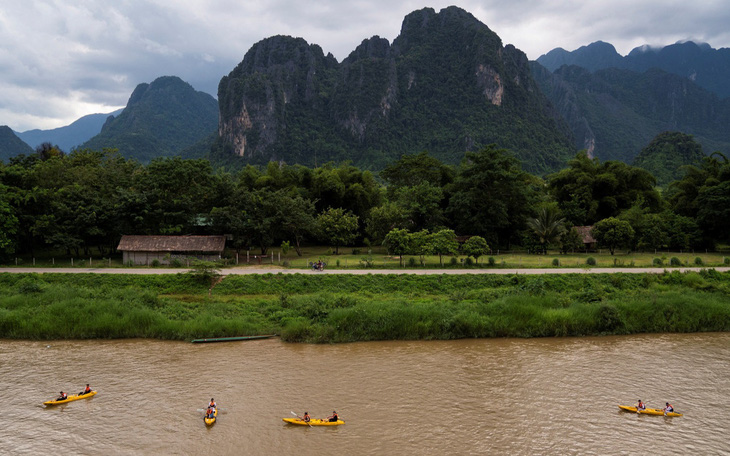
point(87, 390)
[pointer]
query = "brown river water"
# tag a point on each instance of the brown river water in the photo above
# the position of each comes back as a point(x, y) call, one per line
point(485, 396)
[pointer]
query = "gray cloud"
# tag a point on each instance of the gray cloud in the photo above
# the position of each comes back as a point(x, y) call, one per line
point(62, 59)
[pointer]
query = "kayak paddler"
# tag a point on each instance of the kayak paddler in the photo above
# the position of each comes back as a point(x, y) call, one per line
point(333, 418)
point(62, 397)
point(668, 408)
point(210, 413)
point(212, 403)
point(640, 406)
point(307, 418)
point(86, 390)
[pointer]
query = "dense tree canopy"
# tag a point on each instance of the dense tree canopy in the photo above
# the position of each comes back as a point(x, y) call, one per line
point(88, 199)
point(588, 191)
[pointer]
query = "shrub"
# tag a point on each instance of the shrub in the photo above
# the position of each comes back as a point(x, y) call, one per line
point(675, 261)
point(726, 260)
point(556, 262)
point(337, 262)
point(155, 263)
point(286, 263)
point(411, 261)
point(657, 262)
point(356, 251)
point(454, 261)
point(491, 261)
point(590, 261)
point(28, 286)
point(698, 261)
point(176, 263)
point(469, 261)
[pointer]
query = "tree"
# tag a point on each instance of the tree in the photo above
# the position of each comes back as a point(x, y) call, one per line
point(420, 244)
point(570, 240)
point(475, 246)
point(8, 224)
point(491, 196)
point(337, 227)
point(444, 243)
point(587, 190)
point(397, 241)
point(412, 170)
point(382, 219)
point(547, 226)
point(612, 233)
point(297, 219)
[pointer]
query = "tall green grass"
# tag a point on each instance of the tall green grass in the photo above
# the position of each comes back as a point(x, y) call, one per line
point(327, 308)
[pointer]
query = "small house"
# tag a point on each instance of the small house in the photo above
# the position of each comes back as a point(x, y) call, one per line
point(143, 250)
point(589, 242)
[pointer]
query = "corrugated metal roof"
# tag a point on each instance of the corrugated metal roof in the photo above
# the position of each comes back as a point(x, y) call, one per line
point(172, 243)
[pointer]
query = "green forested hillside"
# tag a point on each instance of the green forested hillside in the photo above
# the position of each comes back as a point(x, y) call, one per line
point(11, 145)
point(446, 85)
point(161, 119)
point(667, 153)
point(614, 113)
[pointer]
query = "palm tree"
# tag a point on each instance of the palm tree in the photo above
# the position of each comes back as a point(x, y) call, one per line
point(548, 226)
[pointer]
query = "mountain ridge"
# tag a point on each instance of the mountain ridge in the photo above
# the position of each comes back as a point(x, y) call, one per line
point(161, 118)
point(707, 67)
point(446, 84)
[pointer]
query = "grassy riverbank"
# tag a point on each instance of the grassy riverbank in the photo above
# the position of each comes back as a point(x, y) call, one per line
point(328, 308)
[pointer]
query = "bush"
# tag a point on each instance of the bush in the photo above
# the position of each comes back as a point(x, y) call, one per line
point(454, 261)
point(675, 261)
point(337, 262)
point(411, 261)
point(657, 262)
point(469, 261)
point(590, 261)
point(155, 263)
point(698, 261)
point(176, 263)
point(356, 251)
point(556, 262)
point(491, 261)
point(726, 260)
point(28, 286)
point(286, 263)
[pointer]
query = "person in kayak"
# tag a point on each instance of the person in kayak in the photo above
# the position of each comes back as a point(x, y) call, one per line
point(62, 397)
point(86, 390)
point(333, 418)
point(307, 418)
point(212, 403)
point(668, 408)
point(640, 406)
point(210, 413)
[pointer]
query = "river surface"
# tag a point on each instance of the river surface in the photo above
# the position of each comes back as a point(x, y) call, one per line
point(486, 396)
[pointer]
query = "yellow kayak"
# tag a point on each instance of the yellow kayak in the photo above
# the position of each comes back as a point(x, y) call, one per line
point(648, 411)
point(70, 398)
point(210, 421)
point(313, 422)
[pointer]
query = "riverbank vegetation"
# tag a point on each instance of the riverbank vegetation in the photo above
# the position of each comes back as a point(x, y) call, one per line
point(329, 308)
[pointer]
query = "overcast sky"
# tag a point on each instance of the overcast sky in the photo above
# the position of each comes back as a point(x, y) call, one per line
point(62, 59)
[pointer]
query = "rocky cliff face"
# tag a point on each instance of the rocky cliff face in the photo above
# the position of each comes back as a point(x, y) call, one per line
point(446, 84)
point(614, 113)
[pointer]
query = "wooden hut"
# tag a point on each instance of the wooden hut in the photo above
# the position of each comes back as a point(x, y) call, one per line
point(143, 250)
point(589, 242)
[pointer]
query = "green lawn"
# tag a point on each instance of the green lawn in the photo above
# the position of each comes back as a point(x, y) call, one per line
point(377, 257)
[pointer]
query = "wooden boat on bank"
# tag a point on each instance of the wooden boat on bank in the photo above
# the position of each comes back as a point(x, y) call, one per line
point(231, 339)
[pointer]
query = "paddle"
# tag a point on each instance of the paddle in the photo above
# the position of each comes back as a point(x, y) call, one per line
point(301, 418)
